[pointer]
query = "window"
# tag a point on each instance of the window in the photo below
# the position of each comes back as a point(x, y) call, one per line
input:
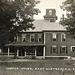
point(54, 49)
point(32, 38)
point(23, 38)
point(53, 37)
point(63, 49)
point(63, 37)
point(73, 48)
point(50, 12)
point(15, 39)
point(39, 38)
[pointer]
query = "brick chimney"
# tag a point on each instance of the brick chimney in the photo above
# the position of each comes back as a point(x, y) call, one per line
point(50, 15)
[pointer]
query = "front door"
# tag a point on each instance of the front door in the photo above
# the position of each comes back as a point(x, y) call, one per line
point(30, 51)
point(21, 52)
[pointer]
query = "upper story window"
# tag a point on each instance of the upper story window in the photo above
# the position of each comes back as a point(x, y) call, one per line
point(15, 39)
point(54, 49)
point(24, 38)
point(63, 49)
point(63, 37)
point(54, 36)
point(39, 38)
point(32, 38)
point(73, 48)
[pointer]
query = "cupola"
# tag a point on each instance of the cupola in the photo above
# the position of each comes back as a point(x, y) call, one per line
point(50, 15)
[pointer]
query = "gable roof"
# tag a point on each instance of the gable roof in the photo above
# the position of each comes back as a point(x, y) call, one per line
point(43, 25)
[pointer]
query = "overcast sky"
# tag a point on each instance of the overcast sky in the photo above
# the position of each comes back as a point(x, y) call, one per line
point(46, 4)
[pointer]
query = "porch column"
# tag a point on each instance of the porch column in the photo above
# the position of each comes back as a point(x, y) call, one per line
point(35, 52)
point(25, 53)
point(8, 51)
point(17, 38)
point(17, 52)
point(43, 52)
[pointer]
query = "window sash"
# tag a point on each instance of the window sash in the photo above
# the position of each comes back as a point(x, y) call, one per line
point(63, 49)
point(32, 38)
point(73, 48)
point(50, 12)
point(54, 36)
point(63, 37)
point(40, 39)
point(24, 39)
point(54, 49)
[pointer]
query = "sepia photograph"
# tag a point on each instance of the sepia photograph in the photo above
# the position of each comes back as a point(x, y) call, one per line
point(37, 37)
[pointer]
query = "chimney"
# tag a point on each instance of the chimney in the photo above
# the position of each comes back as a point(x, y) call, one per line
point(50, 15)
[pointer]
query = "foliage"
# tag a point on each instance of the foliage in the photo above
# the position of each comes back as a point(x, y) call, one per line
point(69, 21)
point(16, 16)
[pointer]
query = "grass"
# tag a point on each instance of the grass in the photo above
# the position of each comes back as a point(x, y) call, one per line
point(27, 67)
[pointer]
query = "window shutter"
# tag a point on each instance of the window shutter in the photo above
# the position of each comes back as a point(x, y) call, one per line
point(51, 49)
point(36, 37)
point(60, 49)
point(57, 49)
point(66, 50)
point(28, 38)
point(51, 38)
point(19, 38)
point(57, 37)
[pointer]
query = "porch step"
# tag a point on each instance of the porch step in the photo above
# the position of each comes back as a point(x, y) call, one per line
point(21, 57)
point(6, 56)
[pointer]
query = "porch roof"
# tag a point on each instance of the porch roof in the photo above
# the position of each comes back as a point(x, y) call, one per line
point(23, 44)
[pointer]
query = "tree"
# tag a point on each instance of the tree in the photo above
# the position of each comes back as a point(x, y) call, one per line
point(69, 21)
point(15, 16)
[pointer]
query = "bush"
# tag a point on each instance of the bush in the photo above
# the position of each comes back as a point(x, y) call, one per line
point(30, 57)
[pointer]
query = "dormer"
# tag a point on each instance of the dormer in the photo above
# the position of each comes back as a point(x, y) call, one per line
point(50, 15)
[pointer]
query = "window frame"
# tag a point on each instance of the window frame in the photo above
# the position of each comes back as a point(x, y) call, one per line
point(39, 36)
point(50, 12)
point(31, 38)
point(71, 49)
point(55, 35)
point(54, 46)
point(61, 49)
point(62, 37)
point(24, 36)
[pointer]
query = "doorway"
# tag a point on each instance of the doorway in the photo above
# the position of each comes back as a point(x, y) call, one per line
point(30, 51)
point(21, 52)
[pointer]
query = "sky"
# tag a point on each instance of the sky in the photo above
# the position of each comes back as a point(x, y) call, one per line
point(49, 4)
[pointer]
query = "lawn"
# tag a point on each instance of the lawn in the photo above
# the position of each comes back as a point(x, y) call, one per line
point(37, 67)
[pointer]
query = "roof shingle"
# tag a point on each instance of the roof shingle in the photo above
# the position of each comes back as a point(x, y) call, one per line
point(41, 25)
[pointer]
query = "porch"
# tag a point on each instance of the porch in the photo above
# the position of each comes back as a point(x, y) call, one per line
point(26, 51)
